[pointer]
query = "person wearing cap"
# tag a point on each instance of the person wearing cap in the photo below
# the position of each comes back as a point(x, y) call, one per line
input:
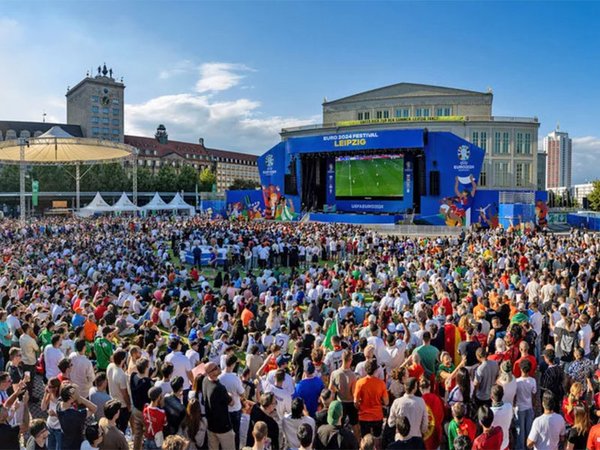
point(333, 435)
point(216, 401)
point(309, 389)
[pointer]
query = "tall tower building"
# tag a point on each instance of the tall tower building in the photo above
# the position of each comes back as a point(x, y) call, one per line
point(559, 151)
point(97, 105)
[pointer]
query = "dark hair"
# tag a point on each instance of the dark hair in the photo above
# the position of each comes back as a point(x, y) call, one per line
point(231, 360)
point(79, 345)
point(297, 408)
point(525, 366)
point(548, 400)
point(92, 433)
point(167, 369)
point(119, 356)
point(177, 384)
point(267, 399)
point(305, 434)
point(154, 392)
point(55, 338)
point(64, 364)
point(111, 408)
point(370, 366)
point(403, 426)
point(411, 384)
point(463, 381)
point(141, 365)
point(497, 392)
point(485, 416)
point(37, 426)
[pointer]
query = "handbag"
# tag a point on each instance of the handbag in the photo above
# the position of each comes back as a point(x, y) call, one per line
point(158, 437)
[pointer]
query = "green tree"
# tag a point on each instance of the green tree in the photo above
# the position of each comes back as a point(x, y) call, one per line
point(187, 179)
point(240, 183)
point(9, 178)
point(146, 180)
point(207, 178)
point(166, 179)
point(594, 197)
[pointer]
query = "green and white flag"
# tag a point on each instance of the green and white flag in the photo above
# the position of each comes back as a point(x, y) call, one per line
point(331, 331)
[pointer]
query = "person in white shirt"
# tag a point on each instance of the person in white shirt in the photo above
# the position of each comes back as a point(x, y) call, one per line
point(192, 354)
point(52, 356)
point(585, 334)
point(165, 317)
point(181, 365)
point(117, 386)
point(82, 370)
point(29, 349)
point(503, 414)
point(234, 386)
point(14, 324)
point(548, 430)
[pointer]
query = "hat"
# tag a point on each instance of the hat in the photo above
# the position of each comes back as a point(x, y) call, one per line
point(408, 315)
point(282, 359)
point(335, 412)
point(391, 327)
point(310, 368)
point(399, 328)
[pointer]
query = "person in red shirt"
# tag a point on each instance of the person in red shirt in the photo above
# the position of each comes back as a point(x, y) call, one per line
point(491, 437)
point(435, 413)
point(154, 419)
point(593, 442)
point(443, 303)
point(524, 350)
point(64, 365)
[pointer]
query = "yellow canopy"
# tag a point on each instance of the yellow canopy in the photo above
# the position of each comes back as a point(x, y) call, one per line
point(57, 146)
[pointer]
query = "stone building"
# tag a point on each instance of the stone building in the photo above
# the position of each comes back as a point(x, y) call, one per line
point(510, 142)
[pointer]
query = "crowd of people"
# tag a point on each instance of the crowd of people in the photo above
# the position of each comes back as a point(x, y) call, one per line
point(190, 333)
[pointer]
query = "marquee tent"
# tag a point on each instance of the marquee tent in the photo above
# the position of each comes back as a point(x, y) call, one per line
point(124, 204)
point(97, 205)
point(180, 204)
point(156, 204)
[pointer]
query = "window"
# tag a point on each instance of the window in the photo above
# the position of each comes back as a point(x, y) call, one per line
point(116, 111)
point(483, 140)
point(522, 174)
point(475, 138)
point(94, 109)
point(483, 177)
point(104, 130)
point(422, 112)
point(519, 144)
point(95, 98)
point(364, 115)
point(115, 122)
point(115, 131)
point(497, 142)
point(386, 114)
point(115, 101)
point(95, 130)
point(443, 112)
point(95, 119)
point(527, 144)
point(501, 175)
point(402, 112)
point(379, 114)
point(105, 110)
point(505, 142)
point(105, 120)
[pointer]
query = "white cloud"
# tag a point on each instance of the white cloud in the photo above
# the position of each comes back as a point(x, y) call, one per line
point(179, 68)
point(216, 76)
point(586, 154)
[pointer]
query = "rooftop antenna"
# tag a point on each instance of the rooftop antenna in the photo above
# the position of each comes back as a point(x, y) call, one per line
point(557, 126)
point(44, 117)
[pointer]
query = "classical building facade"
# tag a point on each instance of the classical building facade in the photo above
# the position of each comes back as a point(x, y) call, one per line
point(559, 154)
point(510, 142)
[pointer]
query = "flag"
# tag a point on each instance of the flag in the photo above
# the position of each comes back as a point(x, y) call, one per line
point(331, 331)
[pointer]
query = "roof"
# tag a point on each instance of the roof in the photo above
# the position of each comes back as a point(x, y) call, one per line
point(57, 146)
point(406, 90)
point(32, 127)
point(183, 148)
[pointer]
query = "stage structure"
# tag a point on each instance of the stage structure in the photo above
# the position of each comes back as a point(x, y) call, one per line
point(57, 147)
point(383, 174)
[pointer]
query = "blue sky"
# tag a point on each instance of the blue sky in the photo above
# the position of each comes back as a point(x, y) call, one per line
point(236, 72)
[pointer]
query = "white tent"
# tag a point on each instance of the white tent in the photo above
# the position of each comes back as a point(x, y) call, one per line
point(98, 204)
point(179, 203)
point(156, 204)
point(124, 204)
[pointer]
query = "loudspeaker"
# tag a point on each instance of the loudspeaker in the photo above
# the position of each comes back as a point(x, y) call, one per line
point(425, 136)
point(291, 184)
point(421, 182)
point(585, 203)
point(434, 183)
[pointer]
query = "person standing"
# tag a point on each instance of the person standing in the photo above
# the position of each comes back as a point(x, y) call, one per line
point(370, 396)
point(343, 383)
point(485, 377)
point(411, 407)
point(503, 414)
point(233, 384)
point(113, 439)
point(334, 436)
point(309, 389)
point(139, 386)
point(117, 387)
point(29, 351)
point(82, 370)
point(526, 390)
point(216, 401)
point(548, 430)
point(492, 436)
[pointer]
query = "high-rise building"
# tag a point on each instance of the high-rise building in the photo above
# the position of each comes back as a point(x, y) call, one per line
point(97, 105)
point(559, 151)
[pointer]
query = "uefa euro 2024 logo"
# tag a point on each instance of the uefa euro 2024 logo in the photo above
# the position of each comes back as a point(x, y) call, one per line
point(270, 161)
point(464, 153)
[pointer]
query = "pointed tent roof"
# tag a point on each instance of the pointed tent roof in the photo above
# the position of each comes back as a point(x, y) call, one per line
point(156, 204)
point(55, 132)
point(98, 204)
point(179, 203)
point(124, 204)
